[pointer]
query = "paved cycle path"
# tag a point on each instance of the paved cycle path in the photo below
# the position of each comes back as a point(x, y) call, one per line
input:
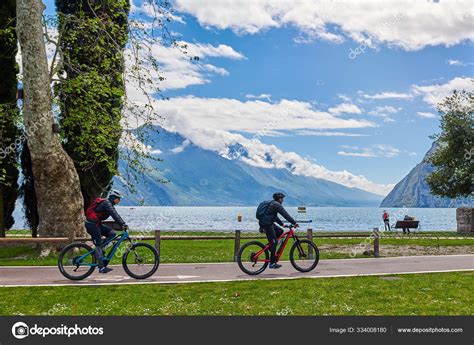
point(215, 272)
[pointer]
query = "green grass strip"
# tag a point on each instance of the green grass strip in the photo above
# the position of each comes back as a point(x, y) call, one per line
point(414, 294)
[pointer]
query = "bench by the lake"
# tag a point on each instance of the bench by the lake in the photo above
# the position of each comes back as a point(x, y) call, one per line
point(407, 224)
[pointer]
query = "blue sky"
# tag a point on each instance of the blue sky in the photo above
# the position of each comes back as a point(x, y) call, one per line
point(370, 115)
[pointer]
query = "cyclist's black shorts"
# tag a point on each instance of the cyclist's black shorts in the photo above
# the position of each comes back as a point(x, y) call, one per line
point(272, 233)
point(97, 232)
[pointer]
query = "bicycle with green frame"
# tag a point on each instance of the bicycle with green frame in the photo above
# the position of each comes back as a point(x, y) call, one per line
point(139, 260)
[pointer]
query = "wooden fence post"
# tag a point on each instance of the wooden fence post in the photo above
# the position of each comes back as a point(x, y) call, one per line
point(236, 244)
point(376, 245)
point(310, 237)
point(158, 240)
point(310, 234)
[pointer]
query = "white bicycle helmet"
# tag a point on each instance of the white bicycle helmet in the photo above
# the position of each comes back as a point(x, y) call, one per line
point(116, 193)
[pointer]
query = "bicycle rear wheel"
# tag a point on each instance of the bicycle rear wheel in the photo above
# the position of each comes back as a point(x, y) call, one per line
point(141, 261)
point(304, 255)
point(247, 261)
point(76, 261)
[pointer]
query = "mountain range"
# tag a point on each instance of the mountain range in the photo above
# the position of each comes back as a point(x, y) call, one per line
point(413, 190)
point(200, 177)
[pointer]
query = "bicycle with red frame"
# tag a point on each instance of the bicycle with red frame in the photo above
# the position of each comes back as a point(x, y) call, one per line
point(253, 257)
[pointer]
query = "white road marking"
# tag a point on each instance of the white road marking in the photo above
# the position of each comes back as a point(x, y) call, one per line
point(178, 276)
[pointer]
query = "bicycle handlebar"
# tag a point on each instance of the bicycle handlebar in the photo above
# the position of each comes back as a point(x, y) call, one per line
point(124, 228)
point(291, 226)
point(285, 226)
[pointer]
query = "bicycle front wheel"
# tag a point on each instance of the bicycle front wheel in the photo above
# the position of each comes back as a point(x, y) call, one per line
point(141, 261)
point(248, 260)
point(304, 255)
point(76, 261)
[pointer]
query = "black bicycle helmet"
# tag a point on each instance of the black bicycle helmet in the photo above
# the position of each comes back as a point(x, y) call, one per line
point(278, 195)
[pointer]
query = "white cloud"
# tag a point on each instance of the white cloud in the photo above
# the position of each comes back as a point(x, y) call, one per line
point(388, 95)
point(216, 70)
point(384, 150)
point(426, 115)
point(266, 96)
point(272, 133)
point(454, 62)
point(148, 9)
point(311, 35)
point(433, 94)
point(410, 25)
point(176, 66)
point(384, 110)
point(345, 98)
point(313, 133)
point(347, 108)
point(181, 147)
point(156, 152)
point(208, 50)
point(356, 154)
point(251, 116)
point(378, 150)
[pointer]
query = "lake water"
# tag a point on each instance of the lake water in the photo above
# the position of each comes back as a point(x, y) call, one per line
point(225, 218)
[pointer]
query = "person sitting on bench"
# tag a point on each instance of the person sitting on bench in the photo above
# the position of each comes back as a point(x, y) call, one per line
point(407, 230)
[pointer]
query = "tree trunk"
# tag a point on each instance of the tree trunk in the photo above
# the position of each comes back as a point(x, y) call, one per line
point(60, 205)
point(27, 191)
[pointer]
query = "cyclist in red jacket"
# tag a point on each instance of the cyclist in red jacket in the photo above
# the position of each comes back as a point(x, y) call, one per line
point(98, 211)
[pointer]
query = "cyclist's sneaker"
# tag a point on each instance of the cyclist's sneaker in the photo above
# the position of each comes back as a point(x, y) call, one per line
point(105, 270)
point(275, 266)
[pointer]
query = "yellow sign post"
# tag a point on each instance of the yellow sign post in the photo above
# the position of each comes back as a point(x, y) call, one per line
point(301, 209)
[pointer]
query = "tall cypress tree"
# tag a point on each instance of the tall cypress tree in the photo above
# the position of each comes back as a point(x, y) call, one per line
point(93, 35)
point(9, 115)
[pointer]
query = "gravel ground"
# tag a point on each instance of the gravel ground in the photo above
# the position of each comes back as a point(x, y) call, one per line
point(401, 250)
